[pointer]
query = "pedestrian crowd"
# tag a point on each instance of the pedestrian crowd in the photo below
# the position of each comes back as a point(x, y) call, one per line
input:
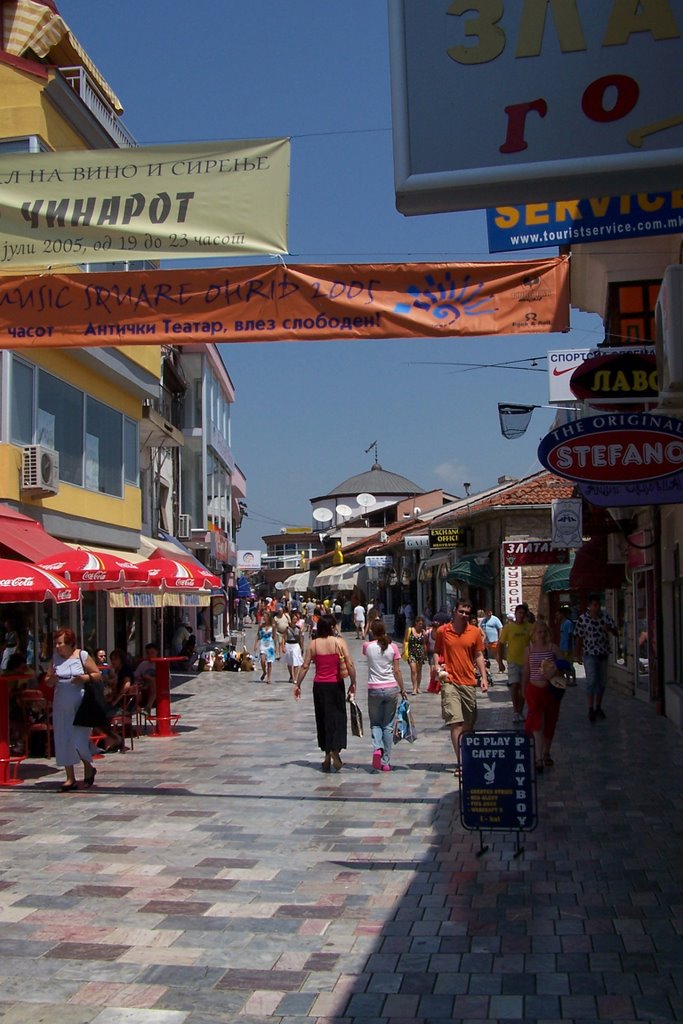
point(89, 694)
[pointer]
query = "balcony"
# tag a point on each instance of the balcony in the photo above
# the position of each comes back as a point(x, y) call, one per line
point(85, 89)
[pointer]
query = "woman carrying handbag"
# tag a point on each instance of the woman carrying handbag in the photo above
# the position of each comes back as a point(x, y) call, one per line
point(332, 660)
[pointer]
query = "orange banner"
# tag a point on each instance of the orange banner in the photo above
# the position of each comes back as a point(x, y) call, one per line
point(281, 303)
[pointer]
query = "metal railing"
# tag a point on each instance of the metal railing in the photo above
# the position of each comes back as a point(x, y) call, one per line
point(84, 87)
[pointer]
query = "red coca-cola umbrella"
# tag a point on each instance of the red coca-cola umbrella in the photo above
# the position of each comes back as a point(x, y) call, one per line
point(97, 570)
point(21, 582)
point(170, 574)
point(174, 578)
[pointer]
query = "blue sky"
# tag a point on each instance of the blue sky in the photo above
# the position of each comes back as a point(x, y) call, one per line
point(318, 71)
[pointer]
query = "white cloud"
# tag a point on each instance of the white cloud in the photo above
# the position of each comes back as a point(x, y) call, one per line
point(452, 475)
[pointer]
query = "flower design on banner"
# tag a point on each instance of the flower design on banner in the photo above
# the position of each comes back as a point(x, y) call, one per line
point(445, 300)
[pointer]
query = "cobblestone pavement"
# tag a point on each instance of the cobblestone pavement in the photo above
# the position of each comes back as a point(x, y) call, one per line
point(220, 876)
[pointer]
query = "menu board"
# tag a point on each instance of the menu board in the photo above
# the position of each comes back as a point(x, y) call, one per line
point(498, 786)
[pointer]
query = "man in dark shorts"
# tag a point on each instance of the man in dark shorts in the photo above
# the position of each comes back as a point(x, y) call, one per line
point(460, 647)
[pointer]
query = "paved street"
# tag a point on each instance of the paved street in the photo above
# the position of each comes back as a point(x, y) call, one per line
point(220, 876)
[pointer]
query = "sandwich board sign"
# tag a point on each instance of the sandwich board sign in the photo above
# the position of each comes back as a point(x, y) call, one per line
point(498, 785)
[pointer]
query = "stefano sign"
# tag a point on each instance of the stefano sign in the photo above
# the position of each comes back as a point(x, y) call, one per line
point(619, 448)
point(536, 100)
point(627, 375)
point(285, 303)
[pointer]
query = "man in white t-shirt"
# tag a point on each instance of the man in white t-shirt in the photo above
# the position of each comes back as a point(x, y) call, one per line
point(359, 620)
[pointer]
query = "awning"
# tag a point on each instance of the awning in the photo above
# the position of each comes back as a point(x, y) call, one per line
point(34, 26)
point(23, 537)
point(244, 587)
point(556, 577)
point(592, 571)
point(468, 570)
point(132, 556)
point(301, 580)
point(339, 577)
point(325, 577)
point(350, 577)
point(157, 599)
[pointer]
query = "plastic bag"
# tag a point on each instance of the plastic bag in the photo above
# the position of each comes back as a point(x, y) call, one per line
point(404, 725)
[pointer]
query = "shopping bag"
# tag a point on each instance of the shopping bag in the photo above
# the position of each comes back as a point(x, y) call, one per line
point(434, 684)
point(404, 725)
point(356, 716)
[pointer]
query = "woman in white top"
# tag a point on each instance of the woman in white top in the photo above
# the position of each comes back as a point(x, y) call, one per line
point(385, 687)
point(70, 672)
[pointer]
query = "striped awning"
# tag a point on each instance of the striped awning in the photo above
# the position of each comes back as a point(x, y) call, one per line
point(29, 25)
point(300, 581)
point(339, 577)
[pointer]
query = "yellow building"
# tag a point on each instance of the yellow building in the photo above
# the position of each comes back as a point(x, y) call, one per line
point(70, 419)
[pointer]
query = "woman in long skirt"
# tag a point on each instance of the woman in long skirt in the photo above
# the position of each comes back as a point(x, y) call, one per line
point(71, 671)
point(332, 662)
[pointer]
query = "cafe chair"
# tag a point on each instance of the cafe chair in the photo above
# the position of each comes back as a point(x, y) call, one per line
point(128, 719)
point(36, 715)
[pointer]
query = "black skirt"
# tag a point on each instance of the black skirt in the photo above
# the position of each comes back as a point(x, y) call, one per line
point(329, 703)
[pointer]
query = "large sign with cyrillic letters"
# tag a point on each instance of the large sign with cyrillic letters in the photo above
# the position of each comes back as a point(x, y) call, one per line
point(533, 552)
point(561, 366)
point(297, 302)
point(179, 202)
point(523, 101)
point(617, 375)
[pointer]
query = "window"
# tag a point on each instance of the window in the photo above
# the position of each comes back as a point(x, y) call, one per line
point(27, 144)
point(103, 448)
point(98, 446)
point(131, 452)
point(60, 424)
point(631, 312)
point(21, 426)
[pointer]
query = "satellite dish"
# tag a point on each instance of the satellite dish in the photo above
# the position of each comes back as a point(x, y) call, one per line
point(344, 510)
point(365, 500)
point(279, 585)
point(322, 515)
point(417, 510)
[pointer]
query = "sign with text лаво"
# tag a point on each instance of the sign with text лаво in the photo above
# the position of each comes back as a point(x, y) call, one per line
point(177, 202)
point(285, 303)
point(497, 790)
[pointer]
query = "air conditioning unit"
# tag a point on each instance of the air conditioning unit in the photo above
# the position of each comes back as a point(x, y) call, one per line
point(669, 326)
point(184, 527)
point(39, 470)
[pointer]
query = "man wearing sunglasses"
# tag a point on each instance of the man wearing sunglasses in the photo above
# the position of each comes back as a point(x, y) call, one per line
point(460, 647)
